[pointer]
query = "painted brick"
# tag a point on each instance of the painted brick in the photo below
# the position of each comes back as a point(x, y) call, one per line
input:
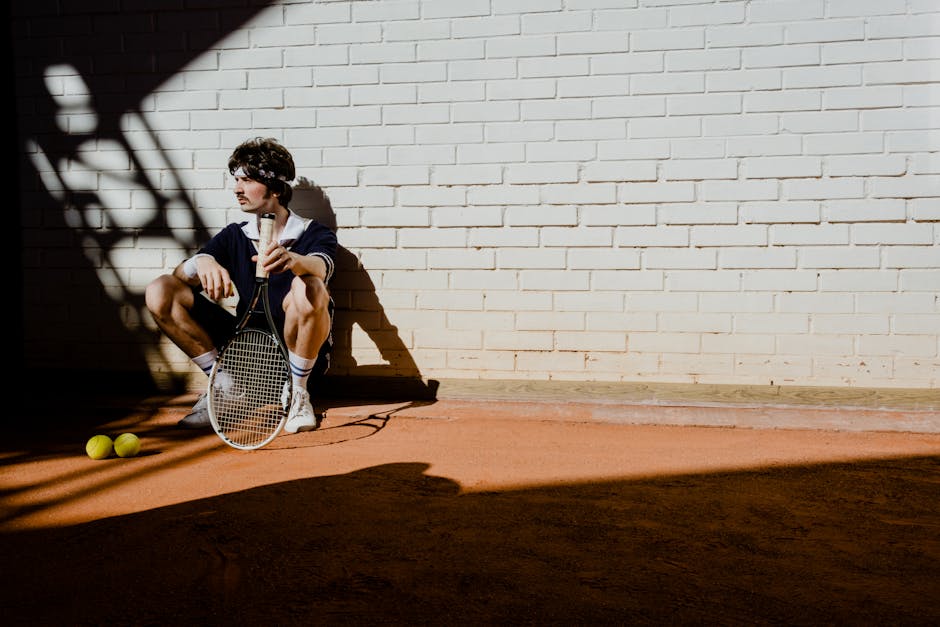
point(514, 300)
point(423, 155)
point(614, 321)
point(485, 280)
point(395, 175)
point(764, 146)
point(466, 216)
point(863, 97)
point(461, 259)
point(919, 280)
point(592, 341)
point(591, 193)
point(431, 196)
point(858, 281)
point(825, 257)
point(738, 344)
point(431, 238)
point(706, 104)
point(595, 237)
point(452, 301)
point(451, 92)
point(700, 169)
point(863, 324)
point(816, 344)
point(483, 153)
point(743, 35)
point(467, 175)
point(641, 280)
point(896, 345)
point(782, 167)
point(542, 216)
point(659, 191)
point(525, 46)
point(504, 236)
point(738, 235)
point(758, 257)
point(913, 323)
point(518, 340)
point(542, 152)
point(554, 280)
point(699, 213)
point(698, 364)
point(911, 257)
point(550, 321)
point(550, 173)
point(476, 361)
point(744, 80)
point(370, 238)
point(671, 39)
point(696, 148)
point(906, 187)
point(569, 21)
point(656, 192)
point(603, 259)
point(910, 233)
point(589, 301)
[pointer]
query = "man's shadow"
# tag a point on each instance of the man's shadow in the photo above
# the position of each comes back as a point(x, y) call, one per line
point(357, 304)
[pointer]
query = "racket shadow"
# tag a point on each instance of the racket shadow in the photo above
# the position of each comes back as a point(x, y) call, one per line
point(347, 428)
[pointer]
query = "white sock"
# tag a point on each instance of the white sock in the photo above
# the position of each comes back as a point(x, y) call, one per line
point(300, 369)
point(207, 360)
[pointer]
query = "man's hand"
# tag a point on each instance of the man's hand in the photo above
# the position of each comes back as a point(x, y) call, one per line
point(278, 259)
point(214, 279)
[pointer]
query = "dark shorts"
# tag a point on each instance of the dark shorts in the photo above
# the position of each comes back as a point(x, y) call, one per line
point(220, 325)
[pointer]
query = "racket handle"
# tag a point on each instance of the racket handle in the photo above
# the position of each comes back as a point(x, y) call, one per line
point(265, 230)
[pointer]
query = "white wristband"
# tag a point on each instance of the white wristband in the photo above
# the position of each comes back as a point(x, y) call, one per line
point(189, 266)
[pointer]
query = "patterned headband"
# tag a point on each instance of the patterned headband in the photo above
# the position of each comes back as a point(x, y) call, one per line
point(267, 174)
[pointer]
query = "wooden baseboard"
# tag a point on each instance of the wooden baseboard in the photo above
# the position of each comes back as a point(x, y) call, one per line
point(97, 383)
point(671, 394)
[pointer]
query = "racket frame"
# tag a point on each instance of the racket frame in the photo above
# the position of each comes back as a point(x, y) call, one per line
point(259, 294)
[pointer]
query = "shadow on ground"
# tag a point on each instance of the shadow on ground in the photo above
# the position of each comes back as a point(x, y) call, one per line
point(847, 543)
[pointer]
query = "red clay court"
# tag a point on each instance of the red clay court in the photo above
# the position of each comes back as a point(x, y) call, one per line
point(495, 511)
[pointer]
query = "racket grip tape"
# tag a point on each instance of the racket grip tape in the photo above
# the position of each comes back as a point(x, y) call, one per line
point(265, 230)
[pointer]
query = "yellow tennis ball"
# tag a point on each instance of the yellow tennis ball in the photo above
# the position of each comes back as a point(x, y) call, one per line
point(126, 445)
point(99, 447)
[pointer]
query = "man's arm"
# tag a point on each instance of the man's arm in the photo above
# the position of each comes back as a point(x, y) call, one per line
point(180, 272)
point(279, 259)
point(204, 270)
point(303, 265)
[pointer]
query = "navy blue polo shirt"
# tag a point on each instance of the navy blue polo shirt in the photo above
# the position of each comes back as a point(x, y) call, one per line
point(234, 246)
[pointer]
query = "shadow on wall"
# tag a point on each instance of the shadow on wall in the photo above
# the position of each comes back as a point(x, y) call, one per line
point(357, 304)
point(83, 312)
point(86, 158)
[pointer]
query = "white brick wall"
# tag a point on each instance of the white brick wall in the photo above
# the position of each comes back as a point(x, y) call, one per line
point(719, 191)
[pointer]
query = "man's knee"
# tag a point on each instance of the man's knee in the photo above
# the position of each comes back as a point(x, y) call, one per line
point(310, 296)
point(162, 293)
point(157, 293)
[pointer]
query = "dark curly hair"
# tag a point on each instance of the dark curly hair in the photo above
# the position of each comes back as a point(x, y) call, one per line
point(265, 160)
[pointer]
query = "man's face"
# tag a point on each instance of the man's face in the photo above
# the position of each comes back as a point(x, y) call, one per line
point(252, 195)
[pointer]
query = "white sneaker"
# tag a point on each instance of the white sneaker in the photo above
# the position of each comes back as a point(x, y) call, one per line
point(285, 396)
point(198, 418)
point(300, 417)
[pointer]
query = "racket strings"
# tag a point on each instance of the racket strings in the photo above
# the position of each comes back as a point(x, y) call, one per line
point(250, 389)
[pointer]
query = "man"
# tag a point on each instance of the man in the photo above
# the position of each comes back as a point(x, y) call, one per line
point(187, 305)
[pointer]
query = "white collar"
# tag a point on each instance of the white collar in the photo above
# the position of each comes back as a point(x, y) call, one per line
point(292, 230)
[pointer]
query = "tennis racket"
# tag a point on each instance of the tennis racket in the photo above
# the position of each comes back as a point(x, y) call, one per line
point(250, 386)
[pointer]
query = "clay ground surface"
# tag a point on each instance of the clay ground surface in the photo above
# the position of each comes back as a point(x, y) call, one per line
point(467, 513)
